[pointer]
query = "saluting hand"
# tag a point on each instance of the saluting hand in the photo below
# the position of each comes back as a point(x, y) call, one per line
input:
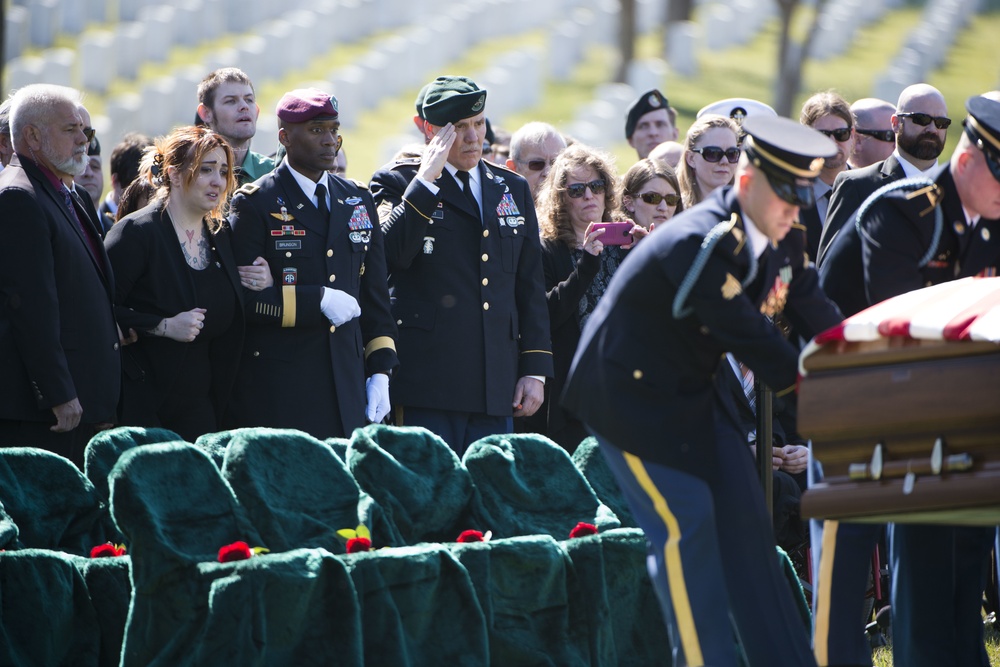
point(436, 154)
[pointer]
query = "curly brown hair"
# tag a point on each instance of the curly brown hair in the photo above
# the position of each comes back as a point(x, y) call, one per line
point(553, 214)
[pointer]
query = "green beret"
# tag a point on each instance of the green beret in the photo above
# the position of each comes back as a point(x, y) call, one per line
point(449, 99)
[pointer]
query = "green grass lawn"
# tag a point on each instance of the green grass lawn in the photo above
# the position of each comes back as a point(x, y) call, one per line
point(882, 657)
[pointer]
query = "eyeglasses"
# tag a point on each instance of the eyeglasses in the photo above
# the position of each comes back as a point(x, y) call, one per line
point(577, 190)
point(714, 153)
point(841, 134)
point(487, 147)
point(654, 198)
point(90, 133)
point(537, 165)
point(924, 119)
point(882, 135)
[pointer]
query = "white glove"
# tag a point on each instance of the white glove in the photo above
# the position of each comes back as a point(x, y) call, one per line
point(338, 306)
point(378, 397)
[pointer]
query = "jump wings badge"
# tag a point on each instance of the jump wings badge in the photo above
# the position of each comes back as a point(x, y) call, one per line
point(731, 288)
point(283, 214)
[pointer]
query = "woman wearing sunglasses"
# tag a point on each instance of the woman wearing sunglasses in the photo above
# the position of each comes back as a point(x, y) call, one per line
point(650, 193)
point(579, 193)
point(711, 151)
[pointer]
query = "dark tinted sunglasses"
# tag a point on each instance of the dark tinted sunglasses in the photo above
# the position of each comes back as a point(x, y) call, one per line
point(90, 133)
point(841, 134)
point(715, 153)
point(882, 135)
point(577, 190)
point(654, 198)
point(924, 119)
point(537, 165)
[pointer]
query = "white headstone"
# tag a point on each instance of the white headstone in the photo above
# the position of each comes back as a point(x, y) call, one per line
point(97, 11)
point(564, 50)
point(189, 22)
point(57, 66)
point(160, 23)
point(225, 58)
point(185, 102)
point(720, 21)
point(254, 57)
point(44, 14)
point(23, 71)
point(350, 90)
point(130, 46)
point(124, 112)
point(647, 73)
point(16, 31)
point(683, 42)
point(158, 104)
point(98, 56)
point(73, 17)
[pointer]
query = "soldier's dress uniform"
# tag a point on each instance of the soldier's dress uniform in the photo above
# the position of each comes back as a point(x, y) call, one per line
point(299, 371)
point(937, 571)
point(642, 381)
point(468, 294)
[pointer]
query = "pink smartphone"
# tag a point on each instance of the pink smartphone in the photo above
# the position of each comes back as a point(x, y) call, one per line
point(616, 233)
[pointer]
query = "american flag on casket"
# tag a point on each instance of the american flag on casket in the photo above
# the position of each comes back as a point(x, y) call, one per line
point(966, 309)
point(902, 405)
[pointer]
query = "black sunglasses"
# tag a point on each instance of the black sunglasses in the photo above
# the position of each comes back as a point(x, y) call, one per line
point(714, 153)
point(841, 134)
point(577, 190)
point(537, 165)
point(924, 119)
point(90, 133)
point(654, 198)
point(882, 135)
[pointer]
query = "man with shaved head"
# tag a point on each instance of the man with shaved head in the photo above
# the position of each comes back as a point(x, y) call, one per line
point(920, 124)
point(874, 139)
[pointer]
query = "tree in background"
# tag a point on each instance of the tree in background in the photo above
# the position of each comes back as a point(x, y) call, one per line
point(792, 55)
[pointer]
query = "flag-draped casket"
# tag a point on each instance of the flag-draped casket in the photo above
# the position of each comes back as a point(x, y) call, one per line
point(902, 404)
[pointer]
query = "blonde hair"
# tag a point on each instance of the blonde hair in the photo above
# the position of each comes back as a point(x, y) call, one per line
point(690, 191)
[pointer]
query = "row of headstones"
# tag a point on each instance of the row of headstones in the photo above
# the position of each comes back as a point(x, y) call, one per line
point(926, 47)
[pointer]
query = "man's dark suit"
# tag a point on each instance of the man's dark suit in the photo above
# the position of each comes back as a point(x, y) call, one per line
point(153, 282)
point(297, 370)
point(643, 381)
point(58, 338)
point(850, 190)
point(468, 295)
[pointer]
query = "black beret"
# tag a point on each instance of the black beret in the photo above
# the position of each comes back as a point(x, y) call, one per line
point(449, 99)
point(420, 100)
point(651, 100)
point(489, 132)
point(983, 127)
point(94, 147)
point(789, 153)
point(302, 104)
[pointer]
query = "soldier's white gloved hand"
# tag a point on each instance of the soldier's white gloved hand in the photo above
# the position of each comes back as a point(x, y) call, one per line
point(338, 306)
point(378, 397)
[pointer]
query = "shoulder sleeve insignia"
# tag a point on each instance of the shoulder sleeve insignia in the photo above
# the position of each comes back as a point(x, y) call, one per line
point(360, 184)
point(248, 189)
point(731, 288)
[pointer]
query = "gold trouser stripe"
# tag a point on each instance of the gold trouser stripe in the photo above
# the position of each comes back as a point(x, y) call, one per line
point(821, 637)
point(378, 343)
point(288, 305)
point(672, 558)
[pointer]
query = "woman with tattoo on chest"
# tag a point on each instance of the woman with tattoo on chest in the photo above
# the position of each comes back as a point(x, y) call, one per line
point(178, 286)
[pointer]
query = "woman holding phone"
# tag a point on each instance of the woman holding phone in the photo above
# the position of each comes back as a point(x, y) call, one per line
point(711, 152)
point(581, 250)
point(178, 286)
point(650, 194)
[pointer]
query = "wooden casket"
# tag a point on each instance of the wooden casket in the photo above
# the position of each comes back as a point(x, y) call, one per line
point(902, 404)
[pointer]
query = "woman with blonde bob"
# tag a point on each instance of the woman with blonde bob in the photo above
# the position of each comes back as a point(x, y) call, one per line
point(579, 193)
point(711, 152)
point(178, 287)
point(650, 194)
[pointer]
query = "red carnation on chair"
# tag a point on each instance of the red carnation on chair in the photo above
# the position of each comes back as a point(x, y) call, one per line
point(107, 550)
point(581, 529)
point(470, 536)
point(235, 551)
point(358, 544)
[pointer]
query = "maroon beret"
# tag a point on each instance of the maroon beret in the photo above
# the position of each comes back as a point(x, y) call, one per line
point(302, 104)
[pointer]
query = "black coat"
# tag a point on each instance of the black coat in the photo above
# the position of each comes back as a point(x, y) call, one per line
point(58, 339)
point(850, 190)
point(857, 275)
point(153, 283)
point(297, 370)
point(468, 296)
point(644, 380)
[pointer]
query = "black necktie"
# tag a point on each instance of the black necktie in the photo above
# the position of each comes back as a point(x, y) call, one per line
point(324, 212)
point(463, 176)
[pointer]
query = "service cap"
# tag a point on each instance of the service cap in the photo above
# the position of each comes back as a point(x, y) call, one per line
point(737, 108)
point(651, 100)
point(449, 99)
point(982, 126)
point(790, 154)
point(304, 104)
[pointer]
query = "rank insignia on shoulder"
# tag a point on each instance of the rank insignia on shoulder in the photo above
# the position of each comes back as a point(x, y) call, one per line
point(289, 276)
point(360, 184)
point(248, 189)
point(351, 201)
point(731, 288)
point(428, 245)
point(287, 230)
